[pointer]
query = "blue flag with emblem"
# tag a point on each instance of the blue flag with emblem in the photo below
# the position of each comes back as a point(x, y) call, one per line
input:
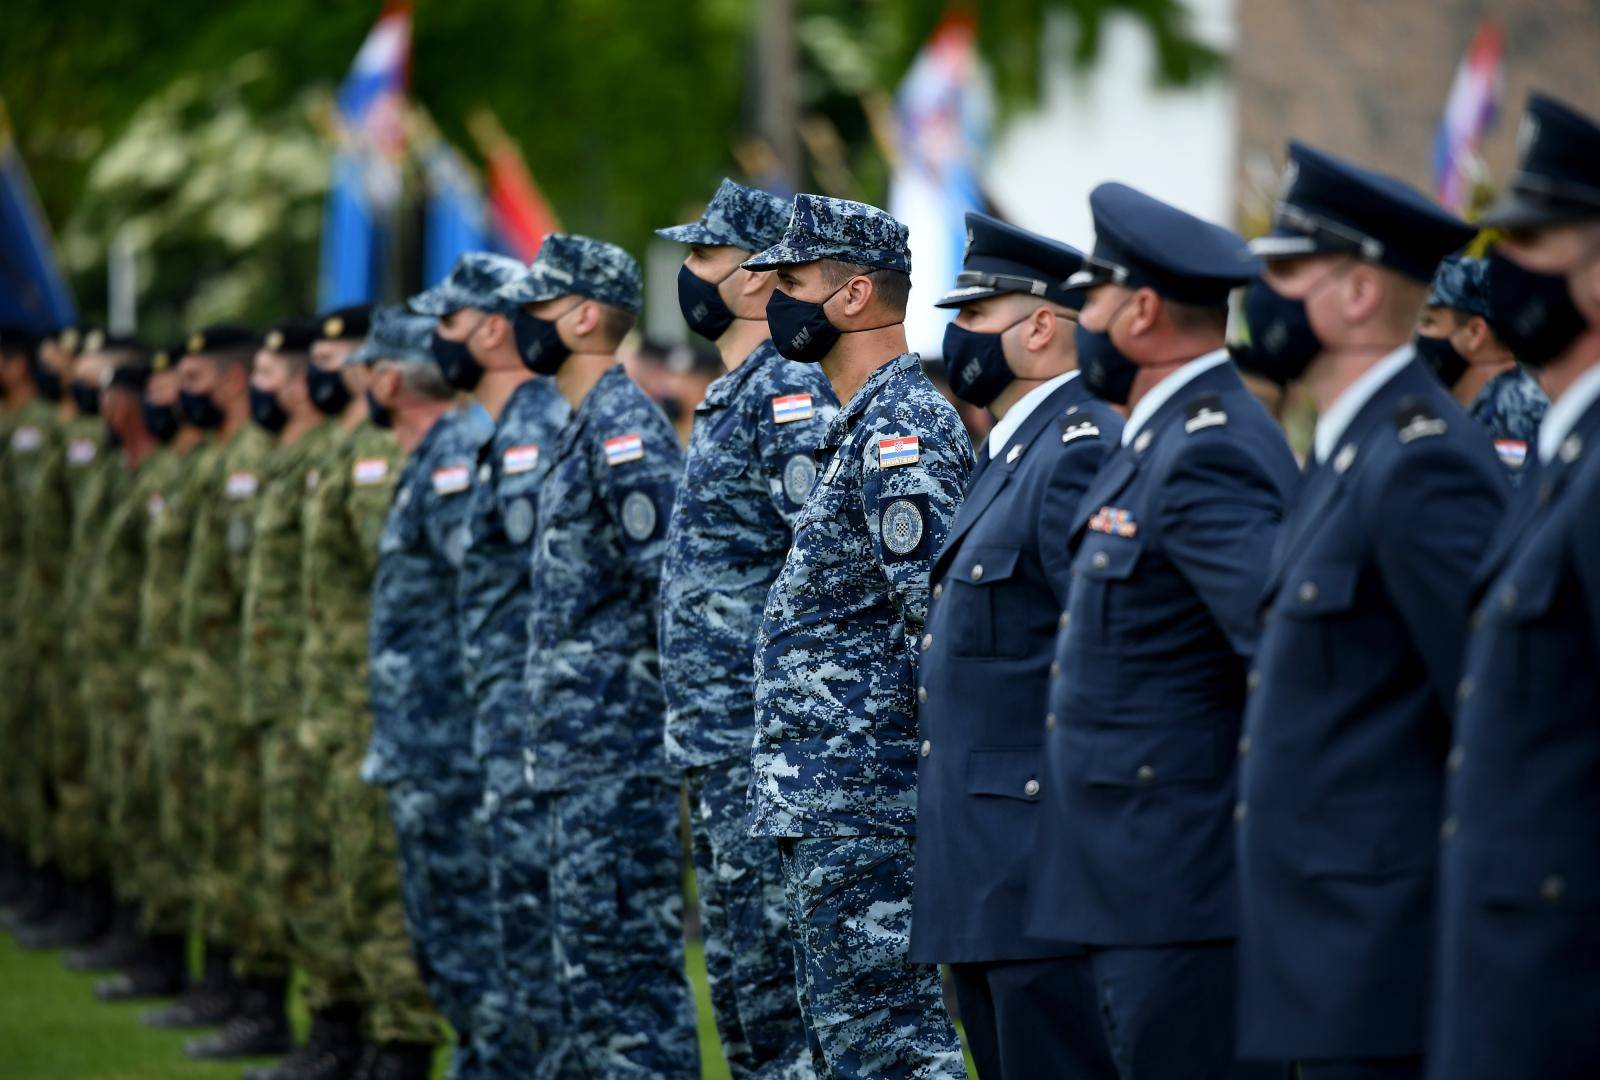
point(33, 292)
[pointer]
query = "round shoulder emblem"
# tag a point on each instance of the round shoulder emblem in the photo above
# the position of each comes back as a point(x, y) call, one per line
point(519, 521)
point(638, 516)
point(799, 477)
point(902, 526)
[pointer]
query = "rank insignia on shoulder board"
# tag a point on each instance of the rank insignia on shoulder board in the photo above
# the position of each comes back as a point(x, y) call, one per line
point(792, 407)
point(451, 479)
point(901, 450)
point(370, 471)
point(623, 449)
point(1114, 522)
point(1415, 421)
point(1205, 413)
point(1073, 430)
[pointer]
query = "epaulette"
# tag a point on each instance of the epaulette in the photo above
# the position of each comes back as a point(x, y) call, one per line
point(1417, 420)
point(1205, 412)
point(1074, 427)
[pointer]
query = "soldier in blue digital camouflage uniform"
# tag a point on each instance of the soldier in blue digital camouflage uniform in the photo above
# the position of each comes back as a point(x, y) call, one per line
point(594, 693)
point(472, 342)
point(1456, 336)
point(835, 752)
point(421, 748)
point(748, 471)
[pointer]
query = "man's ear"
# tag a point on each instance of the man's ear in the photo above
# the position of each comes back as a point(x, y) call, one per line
point(587, 318)
point(1043, 325)
point(1363, 293)
point(1477, 333)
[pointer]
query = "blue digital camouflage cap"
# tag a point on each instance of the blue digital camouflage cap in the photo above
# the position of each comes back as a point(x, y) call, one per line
point(568, 264)
point(396, 334)
point(1462, 284)
point(737, 216)
point(471, 283)
point(852, 232)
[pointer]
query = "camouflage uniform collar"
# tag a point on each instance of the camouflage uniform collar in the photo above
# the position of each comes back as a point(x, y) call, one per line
point(852, 411)
point(725, 387)
point(608, 384)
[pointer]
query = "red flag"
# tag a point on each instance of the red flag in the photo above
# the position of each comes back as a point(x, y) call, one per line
point(521, 217)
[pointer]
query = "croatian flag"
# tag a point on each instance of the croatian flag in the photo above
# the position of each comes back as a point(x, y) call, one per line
point(456, 216)
point(944, 108)
point(520, 216)
point(33, 291)
point(365, 188)
point(1469, 113)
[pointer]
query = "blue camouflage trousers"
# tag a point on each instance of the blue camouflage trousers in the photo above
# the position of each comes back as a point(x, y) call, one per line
point(449, 911)
point(744, 918)
point(516, 823)
point(871, 1013)
point(616, 891)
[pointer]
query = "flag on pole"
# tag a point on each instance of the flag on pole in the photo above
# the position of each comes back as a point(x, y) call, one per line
point(944, 109)
point(1469, 112)
point(366, 180)
point(33, 292)
point(520, 216)
point(455, 214)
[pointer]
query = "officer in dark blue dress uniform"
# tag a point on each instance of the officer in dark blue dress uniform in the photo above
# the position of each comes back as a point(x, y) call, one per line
point(1000, 584)
point(1169, 554)
point(1343, 756)
point(1518, 967)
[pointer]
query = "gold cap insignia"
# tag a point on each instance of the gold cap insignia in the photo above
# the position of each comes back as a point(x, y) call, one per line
point(68, 339)
point(197, 342)
point(94, 341)
point(160, 361)
point(274, 341)
point(333, 328)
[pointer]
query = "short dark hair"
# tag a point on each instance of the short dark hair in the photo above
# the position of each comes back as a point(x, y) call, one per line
point(891, 288)
point(1195, 318)
point(615, 323)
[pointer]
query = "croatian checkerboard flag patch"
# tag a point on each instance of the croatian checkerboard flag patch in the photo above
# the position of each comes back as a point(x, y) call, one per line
point(792, 407)
point(904, 450)
point(1514, 452)
point(369, 471)
point(623, 449)
point(519, 459)
point(451, 479)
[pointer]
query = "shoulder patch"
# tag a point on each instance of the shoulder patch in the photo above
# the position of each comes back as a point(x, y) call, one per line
point(799, 477)
point(519, 459)
point(241, 484)
point(903, 526)
point(623, 449)
point(1205, 412)
point(155, 504)
point(371, 470)
point(313, 478)
point(1513, 452)
point(791, 407)
point(81, 451)
point(1417, 420)
point(26, 439)
point(639, 516)
point(899, 450)
point(451, 480)
point(1073, 429)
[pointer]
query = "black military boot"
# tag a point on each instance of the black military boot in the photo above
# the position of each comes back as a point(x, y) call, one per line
point(122, 945)
point(207, 1003)
point(85, 916)
point(331, 1052)
point(396, 1061)
point(259, 1029)
point(158, 973)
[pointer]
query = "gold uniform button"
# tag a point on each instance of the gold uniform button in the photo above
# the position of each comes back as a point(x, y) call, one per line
point(1066, 617)
point(927, 747)
point(938, 591)
point(1031, 788)
point(1447, 831)
point(1453, 762)
point(922, 694)
point(1146, 774)
point(927, 642)
point(1050, 721)
point(977, 572)
point(1100, 561)
point(1308, 592)
point(1553, 888)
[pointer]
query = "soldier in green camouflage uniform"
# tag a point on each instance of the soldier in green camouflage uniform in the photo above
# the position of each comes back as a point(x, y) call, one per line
point(344, 520)
point(215, 393)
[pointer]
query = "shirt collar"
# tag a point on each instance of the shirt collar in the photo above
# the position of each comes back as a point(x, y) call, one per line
point(852, 410)
point(1163, 391)
point(1565, 411)
point(1333, 423)
point(1005, 427)
point(725, 386)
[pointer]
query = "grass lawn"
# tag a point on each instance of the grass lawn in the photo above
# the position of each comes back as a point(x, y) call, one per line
point(52, 1028)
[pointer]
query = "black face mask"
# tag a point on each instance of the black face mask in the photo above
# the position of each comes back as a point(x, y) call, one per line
point(86, 397)
point(162, 421)
point(377, 413)
point(1442, 357)
point(800, 329)
point(48, 382)
point(1282, 342)
point(328, 391)
point(539, 343)
point(703, 307)
point(456, 362)
point(200, 410)
point(1106, 371)
point(266, 410)
point(1536, 317)
point(975, 363)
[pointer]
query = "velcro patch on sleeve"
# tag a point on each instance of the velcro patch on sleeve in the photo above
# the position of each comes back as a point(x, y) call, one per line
point(241, 485)
point(903, 527)
point(623, 449)
point(519, 459)
point(451, 480)
point(372, 470)
point(791, 407)
point(899, 450)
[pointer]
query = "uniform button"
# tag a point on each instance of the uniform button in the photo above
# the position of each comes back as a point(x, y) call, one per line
point(483, 474)
point(1100, 561)
point(927, 642)
point(1448, 829)
point(1308, 592)
point(927, 747)
point(1453, 762)
point(938, 591)
point(1145, 774)
point(977, 572)
point(1031, 788)
point(1055, 669)
point(922, 694)
point(1464, 689)
point(1252, 680)
point(1508, 597)
point(1244, 745)
point(1050, 721)
point(1240, 812)
point(1066, 617)
point(1553, 888)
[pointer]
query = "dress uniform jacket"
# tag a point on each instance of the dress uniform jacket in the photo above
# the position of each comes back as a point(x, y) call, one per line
point(1348, 725)
point(1518, 974)
point(1170, 551)
point(1000, 585)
